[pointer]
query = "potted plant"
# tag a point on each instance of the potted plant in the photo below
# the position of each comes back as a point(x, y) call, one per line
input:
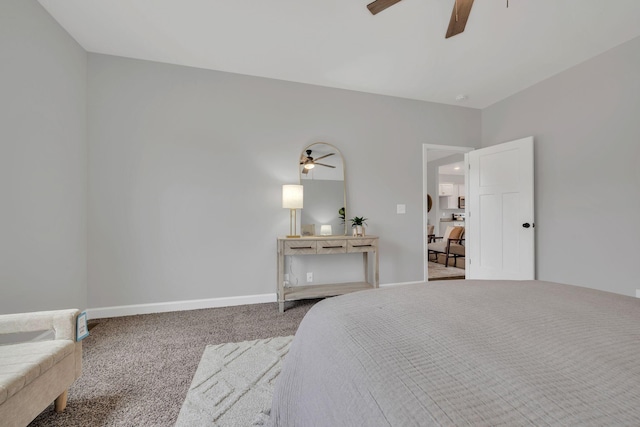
point(357, 224)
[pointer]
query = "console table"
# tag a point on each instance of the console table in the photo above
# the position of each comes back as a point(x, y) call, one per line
point(326, 245)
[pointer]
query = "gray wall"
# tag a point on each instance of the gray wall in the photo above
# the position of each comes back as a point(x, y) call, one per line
point(186, 167)
point(586, 126)
point(43, 162)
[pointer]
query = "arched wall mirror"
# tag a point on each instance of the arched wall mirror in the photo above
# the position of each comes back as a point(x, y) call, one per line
point(322, 173)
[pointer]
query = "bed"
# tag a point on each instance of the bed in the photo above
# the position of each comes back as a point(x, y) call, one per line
point(457, 353)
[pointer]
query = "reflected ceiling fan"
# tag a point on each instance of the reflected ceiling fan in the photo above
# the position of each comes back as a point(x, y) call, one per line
point(310, 163)
point(459, 15)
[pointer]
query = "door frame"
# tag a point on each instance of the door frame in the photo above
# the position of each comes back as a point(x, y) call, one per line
point(425, 148)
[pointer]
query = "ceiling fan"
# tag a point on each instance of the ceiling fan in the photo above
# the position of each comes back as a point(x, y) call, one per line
point(309, 162)
point(459, 15)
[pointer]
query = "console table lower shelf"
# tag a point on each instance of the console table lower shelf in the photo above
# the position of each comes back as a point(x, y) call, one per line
point(320, 291)
point(330, 245)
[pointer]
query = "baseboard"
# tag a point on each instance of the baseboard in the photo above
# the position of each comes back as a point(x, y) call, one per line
point(163, 307)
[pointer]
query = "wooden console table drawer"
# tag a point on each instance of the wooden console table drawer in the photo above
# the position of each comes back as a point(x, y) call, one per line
point(300, 247)
point(332, 247)
point(361, 245)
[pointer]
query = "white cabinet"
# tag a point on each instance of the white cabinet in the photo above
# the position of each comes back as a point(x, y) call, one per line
point(450, 199)
point(446, 190)
point(452, 202)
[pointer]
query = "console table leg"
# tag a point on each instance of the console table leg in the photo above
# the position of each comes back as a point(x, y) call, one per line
point(281, 306)
point(376, 270)
point(365, 263)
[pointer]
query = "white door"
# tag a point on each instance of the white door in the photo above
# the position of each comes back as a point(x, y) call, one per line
point(500, 233)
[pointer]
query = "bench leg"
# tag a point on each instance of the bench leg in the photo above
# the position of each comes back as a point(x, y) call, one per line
point(61, 402)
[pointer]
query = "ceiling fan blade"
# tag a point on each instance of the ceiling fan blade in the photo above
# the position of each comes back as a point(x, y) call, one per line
point(322, 164)
point(463, 10)
point(380, 5)
point(322, 157)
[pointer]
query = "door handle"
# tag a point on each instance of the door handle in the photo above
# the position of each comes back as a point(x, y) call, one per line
point(526, 225)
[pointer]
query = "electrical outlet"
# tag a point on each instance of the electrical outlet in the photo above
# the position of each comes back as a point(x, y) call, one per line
point(309, 277)
point(401, 209)
point(637, 293)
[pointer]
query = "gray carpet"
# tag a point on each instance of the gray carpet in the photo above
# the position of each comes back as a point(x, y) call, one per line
point(137, 369)
point(234, 383)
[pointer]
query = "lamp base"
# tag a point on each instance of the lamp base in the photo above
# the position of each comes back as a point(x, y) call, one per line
point(292, 225)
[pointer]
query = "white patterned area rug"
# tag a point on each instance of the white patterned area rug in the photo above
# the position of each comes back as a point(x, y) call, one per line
point(234, 383)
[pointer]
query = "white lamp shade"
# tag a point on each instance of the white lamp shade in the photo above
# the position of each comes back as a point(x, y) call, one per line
point(325, 230)
point(292, 196)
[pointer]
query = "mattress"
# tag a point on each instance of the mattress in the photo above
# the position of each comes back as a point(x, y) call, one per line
point(456, 353)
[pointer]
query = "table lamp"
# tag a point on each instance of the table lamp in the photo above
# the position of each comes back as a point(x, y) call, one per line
point(292, 199)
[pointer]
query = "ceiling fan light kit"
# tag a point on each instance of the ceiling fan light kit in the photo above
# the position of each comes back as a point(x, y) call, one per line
point(310, 163)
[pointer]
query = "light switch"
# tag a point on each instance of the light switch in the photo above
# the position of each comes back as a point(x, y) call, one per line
point(401, 209)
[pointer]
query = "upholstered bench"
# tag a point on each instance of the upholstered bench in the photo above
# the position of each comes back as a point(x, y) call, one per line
point(33, 374)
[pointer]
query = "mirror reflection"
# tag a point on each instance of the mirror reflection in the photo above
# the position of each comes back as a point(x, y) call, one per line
point(322, 175)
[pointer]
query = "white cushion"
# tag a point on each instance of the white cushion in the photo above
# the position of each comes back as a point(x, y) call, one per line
point(447, 233)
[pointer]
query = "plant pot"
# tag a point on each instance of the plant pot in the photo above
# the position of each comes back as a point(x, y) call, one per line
point(358, 231)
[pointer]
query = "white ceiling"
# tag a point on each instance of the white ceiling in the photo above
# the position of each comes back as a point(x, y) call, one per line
point(456, 168)
point(338, 43)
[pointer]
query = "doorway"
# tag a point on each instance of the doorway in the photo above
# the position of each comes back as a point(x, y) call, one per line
point(445, 184)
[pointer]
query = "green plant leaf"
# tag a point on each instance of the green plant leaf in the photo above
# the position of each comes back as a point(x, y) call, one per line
point(358, 220)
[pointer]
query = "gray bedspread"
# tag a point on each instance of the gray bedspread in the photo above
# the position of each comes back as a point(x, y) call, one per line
point(465, 353)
